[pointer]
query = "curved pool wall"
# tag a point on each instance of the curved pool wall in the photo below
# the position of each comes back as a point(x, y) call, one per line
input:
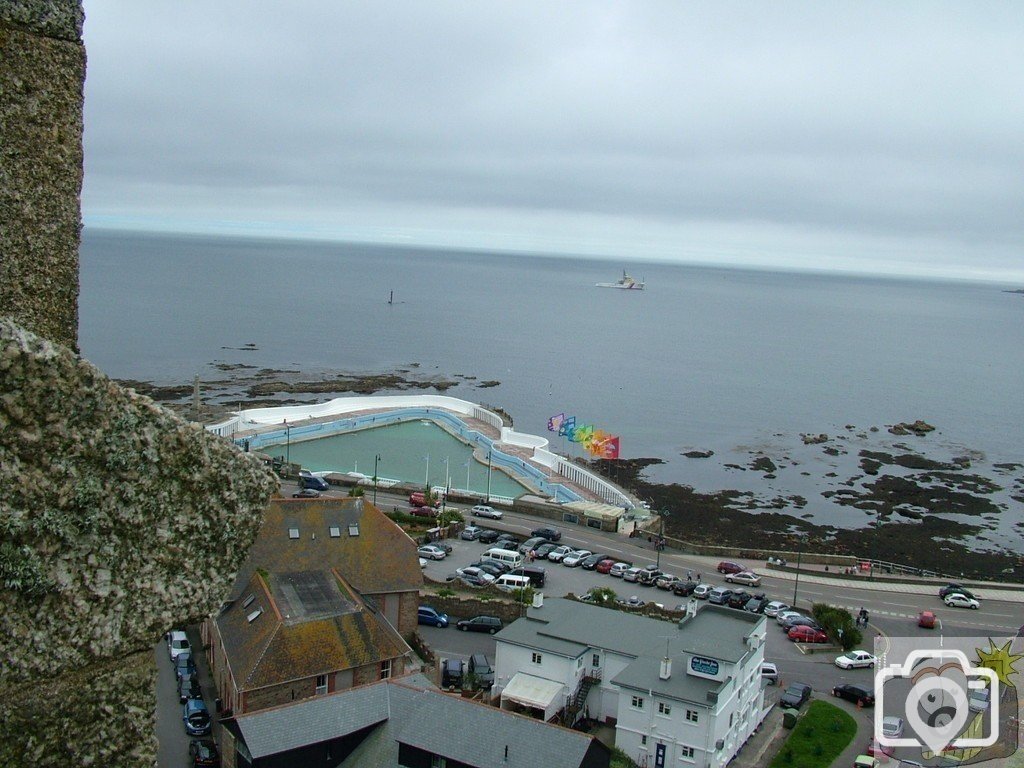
point(437, 408)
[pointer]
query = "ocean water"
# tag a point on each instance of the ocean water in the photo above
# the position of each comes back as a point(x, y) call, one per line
point(740, 362)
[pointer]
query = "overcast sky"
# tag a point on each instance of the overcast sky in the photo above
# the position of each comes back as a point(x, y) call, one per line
point(879, 137)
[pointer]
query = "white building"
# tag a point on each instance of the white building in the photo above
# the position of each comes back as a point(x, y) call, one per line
point(678, 694)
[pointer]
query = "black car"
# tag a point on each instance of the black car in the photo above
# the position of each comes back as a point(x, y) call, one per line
point(184, 665)
point(489, 624)
point(738, 599)
point(795, 695)
point(188, 688)
point(508, 541)
point(591, 562)
point(543, 550)
point(548, 533)
point(864, 697)
point(451, 673)
point(482, 671)
point(756, 604)
point(952, 588)
point(203, 753)
point(799, 621)
point(473, 579)
point(684, 588)
point(492, 567)
point(488, 536)
point(534, 573)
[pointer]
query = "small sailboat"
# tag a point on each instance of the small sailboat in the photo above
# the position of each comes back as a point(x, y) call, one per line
point(627, 283)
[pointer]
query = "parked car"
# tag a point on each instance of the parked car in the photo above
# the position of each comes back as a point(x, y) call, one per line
point(423, 512)
point(542, 552)
point(727, 566)
point(702, 591)
point(481, 669)
point(471, 533)
point(551, 534)
point(177, 643)
point(892, 727)
point(926, 620)
point(431, 617)
point(738, 599)
point(558, 553)
point(800, 621)
point(489, 624)
point(880, 751)
point(773, 608)
point(746, 578)
point(619, 569)
point(802, 634)
point(203, 753)
point(451, 673)
point(952, 588)
point(419, 499)
point(531, 544)
point(184, 665)
point(855, 660)
point(576, 558)
point(867, 761)
point(755, 604)
point(648, 575)
point(957, 600)
point(684, 588)
point(591, 562)
point(485, 510)
point(632, 602)
point(188, 688)
point(857, 694)
point(443, 545)
point(495, 567)
point(507, 541)
point(476, 577)
point(431, 552)
point(606, 565)
point(309, 480)
point(719, 596)
point(535, 573)
point(667, 581)
point(488, 536)
point(632, 574)
point(769, 673)
point(783, 616)
point(196, 718)
point(795, 695)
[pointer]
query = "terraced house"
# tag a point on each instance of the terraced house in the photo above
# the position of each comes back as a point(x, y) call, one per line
point(325, 602)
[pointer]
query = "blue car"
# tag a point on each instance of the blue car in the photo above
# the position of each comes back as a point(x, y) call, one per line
point(196, 717)
point(431, 617)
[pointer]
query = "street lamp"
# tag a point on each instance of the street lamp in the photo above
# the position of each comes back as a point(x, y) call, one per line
point(488, 499)
point(661, 537)
point(376, 459)
point(287, 443)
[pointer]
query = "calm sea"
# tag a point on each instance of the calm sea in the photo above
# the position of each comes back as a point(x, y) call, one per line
point(729, 360)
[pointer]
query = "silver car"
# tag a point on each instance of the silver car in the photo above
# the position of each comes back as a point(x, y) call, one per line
point(484, 510)
point(432, 552)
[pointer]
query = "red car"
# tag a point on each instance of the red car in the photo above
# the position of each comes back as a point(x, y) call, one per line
point(803, 634)
point(878, 751)
point(423, 512)
point(605, 565)
point(926, 620)
point(729, 567)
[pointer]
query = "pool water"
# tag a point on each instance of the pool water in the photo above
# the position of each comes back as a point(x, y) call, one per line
point(408, 452)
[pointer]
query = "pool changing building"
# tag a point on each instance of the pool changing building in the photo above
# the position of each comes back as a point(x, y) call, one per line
point(678, 694)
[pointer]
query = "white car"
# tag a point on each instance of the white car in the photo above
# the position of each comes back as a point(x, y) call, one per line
point(747, 578)
point(483, 510)
point(177, 644)
point(892, 727)
point(576, 557)
point(556, 554)
point(782, 616)
point(855, 659)
point(774, 607)
point(956, 600)
point(618, 569)
point(701, 591)
point(432, 552)
point(423, 562)
point(769, 673)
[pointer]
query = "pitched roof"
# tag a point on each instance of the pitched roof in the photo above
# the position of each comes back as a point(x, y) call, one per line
point(379, 558)
point(308, 623)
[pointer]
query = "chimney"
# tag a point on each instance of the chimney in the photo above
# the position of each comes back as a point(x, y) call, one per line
point(666, 669)
point(538, 599)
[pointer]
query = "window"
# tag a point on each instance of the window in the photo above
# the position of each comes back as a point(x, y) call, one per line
point(685, 751)
point(643, 740)
point(664, 709)
point(248, 601)
point(335, 531)
point(637, 702)
point(321, 684)
point(536, 658)
point(596, 661)
point(436, 761)
point(385, 669)
point(691, 715)
point(353, 529)
point(579, 662)
point(730, 718)
point(293, 533)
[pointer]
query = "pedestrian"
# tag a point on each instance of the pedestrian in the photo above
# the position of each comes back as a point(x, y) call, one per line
point(698, 577)
point(689, 574)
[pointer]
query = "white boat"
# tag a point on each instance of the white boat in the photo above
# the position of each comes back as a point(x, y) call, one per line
point(626, 283)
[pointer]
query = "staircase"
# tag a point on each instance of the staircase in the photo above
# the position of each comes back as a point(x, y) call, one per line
point(579, 698)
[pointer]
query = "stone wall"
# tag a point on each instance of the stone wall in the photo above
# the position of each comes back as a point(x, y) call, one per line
point(41, 84)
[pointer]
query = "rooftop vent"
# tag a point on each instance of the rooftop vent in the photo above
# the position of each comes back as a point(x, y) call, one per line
point(335, 531)
point(254, 615)
point(538, 599)
point(293, 533)
point(666, 669)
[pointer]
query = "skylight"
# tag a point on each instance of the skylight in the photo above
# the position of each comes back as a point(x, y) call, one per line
point(254, 615)
point(353, 529)
point(248, 601)
point(335, 531)
point(293, 533)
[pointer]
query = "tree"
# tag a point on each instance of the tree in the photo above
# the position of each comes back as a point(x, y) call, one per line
point(838, 625)
point(602, 595)
point(355, 490)
point(450, 516)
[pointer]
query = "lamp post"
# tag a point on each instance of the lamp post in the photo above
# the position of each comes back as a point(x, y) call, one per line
point(376, 459)
point(426, 475)
point(661, 537)
point(488, 499)
point(287, 443)
point(799, 554)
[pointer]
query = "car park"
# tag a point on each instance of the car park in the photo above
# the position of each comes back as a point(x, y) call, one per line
point(746, 578)
point(488, 536)
point(801, 634)
point(196, 718)
point(684, 588)
point(485, 510)
point(431, 552)
point(306, 493)
point(855, 660)
point(431, 617)
point(727, 566)
point(957, 600)
point(188, 688)
point(773, 608)
point(795, 695)
point(619, 569)
point(177, 643)
point(702, 591)
point(203, 753)
point(769, 673)
point(551, 534)
point(591, 562)
point(558, 553)
point(489, 624)
point(926, 620)
point(471, 533)
point(892, 727)
point(576, 558)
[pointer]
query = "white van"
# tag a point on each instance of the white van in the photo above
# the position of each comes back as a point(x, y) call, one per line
point(511, 583)
point(507, 556)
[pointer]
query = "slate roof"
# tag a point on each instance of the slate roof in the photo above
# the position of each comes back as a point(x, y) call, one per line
point(277, 646)
point(381, 559)
point(642, 675)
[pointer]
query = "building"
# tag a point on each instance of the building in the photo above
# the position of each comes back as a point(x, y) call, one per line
point(326, 602)
point(406, 722)
point(685, 693)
